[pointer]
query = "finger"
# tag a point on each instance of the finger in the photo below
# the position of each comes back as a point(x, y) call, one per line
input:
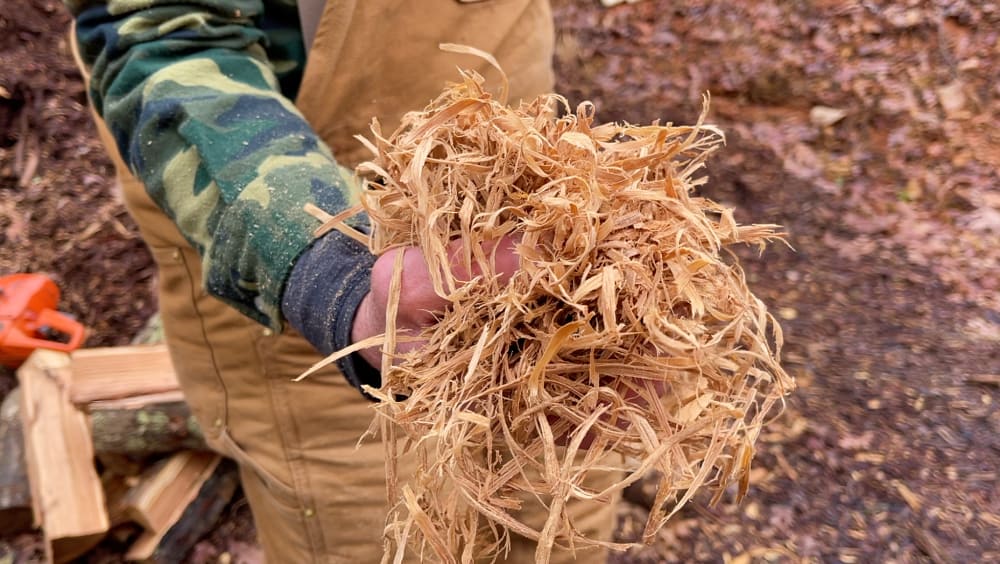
point(417, 299)
point(503, 252)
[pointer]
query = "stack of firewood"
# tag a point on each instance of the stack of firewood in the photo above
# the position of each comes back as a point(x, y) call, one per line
point(101, 440)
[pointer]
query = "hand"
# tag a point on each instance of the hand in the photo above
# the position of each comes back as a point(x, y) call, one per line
point(418, 302)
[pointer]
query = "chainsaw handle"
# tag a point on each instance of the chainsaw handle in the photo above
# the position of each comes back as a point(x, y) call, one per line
point(64, 324)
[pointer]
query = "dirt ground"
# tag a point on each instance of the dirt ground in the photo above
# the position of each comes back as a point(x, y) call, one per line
point(868, 129)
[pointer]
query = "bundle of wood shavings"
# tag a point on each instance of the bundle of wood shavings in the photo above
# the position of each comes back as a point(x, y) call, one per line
point(627, 342)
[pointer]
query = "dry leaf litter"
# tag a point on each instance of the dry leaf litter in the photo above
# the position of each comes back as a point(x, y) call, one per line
point(627, 342)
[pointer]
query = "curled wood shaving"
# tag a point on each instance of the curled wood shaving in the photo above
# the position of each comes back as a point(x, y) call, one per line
point(627, 342)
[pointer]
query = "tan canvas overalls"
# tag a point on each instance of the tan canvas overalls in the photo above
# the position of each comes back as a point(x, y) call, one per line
point(314, 495)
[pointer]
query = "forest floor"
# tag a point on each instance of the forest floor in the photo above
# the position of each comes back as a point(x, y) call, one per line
point(867, 129)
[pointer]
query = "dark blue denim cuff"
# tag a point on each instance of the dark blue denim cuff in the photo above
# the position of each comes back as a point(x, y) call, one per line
point(322, 297)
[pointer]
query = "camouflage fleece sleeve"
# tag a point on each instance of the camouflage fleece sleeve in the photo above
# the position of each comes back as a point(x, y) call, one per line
point(191, 94)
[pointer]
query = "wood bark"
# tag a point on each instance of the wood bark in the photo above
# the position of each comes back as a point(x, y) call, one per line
point(15, 493)
point(141, 427)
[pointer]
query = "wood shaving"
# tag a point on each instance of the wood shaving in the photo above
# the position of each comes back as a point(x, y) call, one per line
point(628, 335)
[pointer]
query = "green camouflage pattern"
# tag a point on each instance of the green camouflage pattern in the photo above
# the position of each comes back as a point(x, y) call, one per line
point(197, 96)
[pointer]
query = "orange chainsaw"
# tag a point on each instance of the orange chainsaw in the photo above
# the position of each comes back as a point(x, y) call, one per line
point(29, 320)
